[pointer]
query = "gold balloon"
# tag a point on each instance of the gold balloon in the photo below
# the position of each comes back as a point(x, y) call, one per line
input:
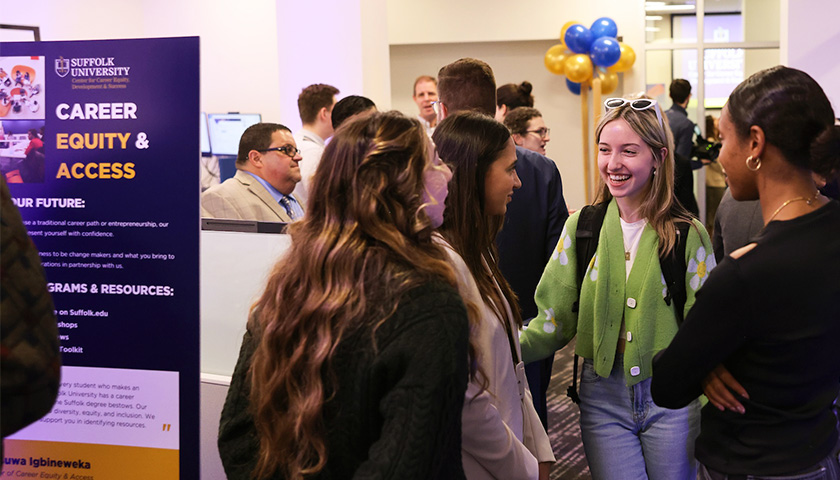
point(609, 81)
point(554, 58)
point(578, 68)
point(566, 27)
point(625, 61)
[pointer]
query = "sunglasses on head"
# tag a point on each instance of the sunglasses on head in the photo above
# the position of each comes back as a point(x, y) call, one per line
point(638, 104)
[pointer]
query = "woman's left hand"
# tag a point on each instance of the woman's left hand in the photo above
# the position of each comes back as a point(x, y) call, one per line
point(718, 387)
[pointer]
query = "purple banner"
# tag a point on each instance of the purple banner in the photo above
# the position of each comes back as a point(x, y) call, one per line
point(100, 147)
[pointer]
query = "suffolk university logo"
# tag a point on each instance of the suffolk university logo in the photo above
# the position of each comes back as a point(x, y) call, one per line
point(89, 67)
point(62, 67)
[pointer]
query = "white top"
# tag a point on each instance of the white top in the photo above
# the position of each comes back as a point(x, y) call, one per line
point(493, 422)
point(427, 125)
point(632, 235)
point(311, 148)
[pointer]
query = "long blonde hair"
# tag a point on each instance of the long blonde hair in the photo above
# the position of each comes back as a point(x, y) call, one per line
point(363, 243)
point(658, 205)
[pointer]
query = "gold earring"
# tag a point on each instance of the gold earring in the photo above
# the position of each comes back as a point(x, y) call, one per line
point(757, 163)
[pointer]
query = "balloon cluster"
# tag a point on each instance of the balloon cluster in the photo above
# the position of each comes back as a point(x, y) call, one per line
point(587, 53)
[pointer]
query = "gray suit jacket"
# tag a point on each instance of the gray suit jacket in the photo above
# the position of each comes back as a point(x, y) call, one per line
point(244, 198)
point(736, 223)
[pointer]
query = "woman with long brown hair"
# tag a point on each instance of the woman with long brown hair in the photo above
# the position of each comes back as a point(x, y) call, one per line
point(502, 434)
point(355, 357)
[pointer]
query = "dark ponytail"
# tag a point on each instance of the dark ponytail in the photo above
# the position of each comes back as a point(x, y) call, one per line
point(792, 110)
point(515, 96)
point(825, 152)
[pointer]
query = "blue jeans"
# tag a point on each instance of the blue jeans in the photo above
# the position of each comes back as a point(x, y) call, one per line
point(627, 436)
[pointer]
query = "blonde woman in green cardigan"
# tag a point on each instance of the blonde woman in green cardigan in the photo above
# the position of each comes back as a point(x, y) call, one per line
point(623, 319)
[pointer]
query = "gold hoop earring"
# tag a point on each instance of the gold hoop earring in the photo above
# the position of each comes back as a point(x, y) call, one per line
point(757, 163)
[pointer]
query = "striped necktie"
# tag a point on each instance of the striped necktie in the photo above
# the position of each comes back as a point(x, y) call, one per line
point(287, 204)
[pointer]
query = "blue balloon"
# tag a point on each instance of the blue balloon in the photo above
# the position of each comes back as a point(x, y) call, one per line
point(605, 51)
point(573, 87)
point(604, 27)
point(578, 38)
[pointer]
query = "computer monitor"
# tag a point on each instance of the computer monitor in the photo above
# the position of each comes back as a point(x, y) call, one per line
point(205, 136)
point(226, 128)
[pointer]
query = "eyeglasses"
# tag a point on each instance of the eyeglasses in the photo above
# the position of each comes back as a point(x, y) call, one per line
point(543, 133)
point(287, 150)
point(638, 104)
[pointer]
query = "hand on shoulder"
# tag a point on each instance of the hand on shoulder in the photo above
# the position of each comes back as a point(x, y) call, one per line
point(741, 251)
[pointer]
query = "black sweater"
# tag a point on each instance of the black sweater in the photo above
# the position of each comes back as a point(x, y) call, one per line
point(396, 412)
point(772, 317)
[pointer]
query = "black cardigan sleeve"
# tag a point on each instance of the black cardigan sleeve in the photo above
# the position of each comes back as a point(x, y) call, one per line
point(237, 442)
point(714, 328)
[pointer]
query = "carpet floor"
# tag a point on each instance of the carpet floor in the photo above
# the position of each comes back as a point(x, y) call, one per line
point(563, 427)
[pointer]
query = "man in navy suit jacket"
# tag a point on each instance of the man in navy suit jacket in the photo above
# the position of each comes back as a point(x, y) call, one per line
point(533, 224)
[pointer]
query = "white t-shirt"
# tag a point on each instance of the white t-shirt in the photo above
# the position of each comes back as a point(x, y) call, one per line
point(311, 148)
point(632, 235)
point(427, 125)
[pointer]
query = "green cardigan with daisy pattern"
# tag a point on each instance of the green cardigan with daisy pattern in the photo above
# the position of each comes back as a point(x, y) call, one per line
point(606, 298)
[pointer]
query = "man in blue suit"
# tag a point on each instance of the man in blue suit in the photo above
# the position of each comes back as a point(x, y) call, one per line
point(533, 224)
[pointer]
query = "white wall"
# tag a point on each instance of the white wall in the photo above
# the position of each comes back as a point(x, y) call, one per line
point(812, 36)
point(340, 43)
point(449, 21)
point(256, 55)
point(76, 20)
point(376, 62)
point(761, 20)
point(239, 66)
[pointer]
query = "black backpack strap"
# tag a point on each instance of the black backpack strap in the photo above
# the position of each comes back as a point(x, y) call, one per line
point(586, 240)
point(590, 220)
point(571, 392)
point(673, 269)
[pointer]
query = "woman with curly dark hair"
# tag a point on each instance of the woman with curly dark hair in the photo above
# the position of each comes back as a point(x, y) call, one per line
point(355, 358)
